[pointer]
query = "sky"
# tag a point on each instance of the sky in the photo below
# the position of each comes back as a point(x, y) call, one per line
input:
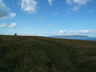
point(48, 17)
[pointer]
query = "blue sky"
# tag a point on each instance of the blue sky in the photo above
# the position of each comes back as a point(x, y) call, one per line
point(48, 17)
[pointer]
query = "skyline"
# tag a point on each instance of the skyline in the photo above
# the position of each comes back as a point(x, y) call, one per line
point(48, 17)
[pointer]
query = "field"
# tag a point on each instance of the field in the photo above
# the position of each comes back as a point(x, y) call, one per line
point(42, 54)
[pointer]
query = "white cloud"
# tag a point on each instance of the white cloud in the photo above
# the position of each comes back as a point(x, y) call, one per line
point(66, 32)
point(29, 6)
point(50, 2)
point(90, 11)
point(69, 2)
point(12, 25)
point(49, 25)
point(84, 31)
point(81, 2)
point(75, 8)
point(12, 15)
point(3, 10)
point(62, 31)
point(56, 13)
point(77, 3)
point(3, 25)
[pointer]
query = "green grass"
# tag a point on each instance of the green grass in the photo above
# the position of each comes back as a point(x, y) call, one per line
point(40, 54)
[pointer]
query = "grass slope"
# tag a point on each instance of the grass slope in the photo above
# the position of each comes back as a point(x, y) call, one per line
point(39, 54)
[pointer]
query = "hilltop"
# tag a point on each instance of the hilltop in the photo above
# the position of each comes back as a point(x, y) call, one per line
point(42, 54)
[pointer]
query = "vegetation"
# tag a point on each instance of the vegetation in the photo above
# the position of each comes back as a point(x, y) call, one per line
point(40, 54)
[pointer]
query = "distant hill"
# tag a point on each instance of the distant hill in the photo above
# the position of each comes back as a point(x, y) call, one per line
point(42, 54)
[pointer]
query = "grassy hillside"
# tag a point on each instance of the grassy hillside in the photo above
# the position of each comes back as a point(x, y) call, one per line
point(39, 54)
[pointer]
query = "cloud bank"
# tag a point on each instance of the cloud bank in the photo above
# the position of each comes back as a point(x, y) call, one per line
point(3, 10)
point(72, 32)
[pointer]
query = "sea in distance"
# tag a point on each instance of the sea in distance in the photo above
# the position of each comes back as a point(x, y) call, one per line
point(75, 37)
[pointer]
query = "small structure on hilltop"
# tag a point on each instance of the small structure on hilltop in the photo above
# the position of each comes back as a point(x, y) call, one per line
point(15, 34)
